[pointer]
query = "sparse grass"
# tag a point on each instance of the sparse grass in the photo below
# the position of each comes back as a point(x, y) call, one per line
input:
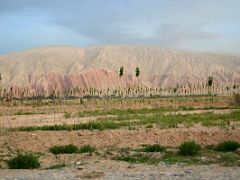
point(67, 115)
point(190, 108)
point(57, 166)
point(145, 111)
point(203, 157)
point(124, 112)
point(137, 159)
point(125, 150)
point(229, 159)
point(86, 149)
point(209, 147)
point(149, 126)
point(22, 113)
point(185, 108)
point(189, 148)
point(227, 146)
point(24, 161)
point(214, 123)
point(67, 149)
point(153, 148)
point(172, 158)
point(134, 120)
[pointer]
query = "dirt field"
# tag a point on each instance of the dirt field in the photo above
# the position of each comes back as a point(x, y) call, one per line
point(110, 143)
point(41, 141)
point(58, 118)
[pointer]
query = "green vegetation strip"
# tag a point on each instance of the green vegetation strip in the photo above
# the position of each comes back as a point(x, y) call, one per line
point(163, 121)
point(121, 112)
point(129, 111)
point(22, 113)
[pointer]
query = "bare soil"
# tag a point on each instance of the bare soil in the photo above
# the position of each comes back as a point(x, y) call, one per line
point(41, 141)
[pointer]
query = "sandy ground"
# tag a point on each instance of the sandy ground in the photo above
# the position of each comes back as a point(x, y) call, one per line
point(40, 120)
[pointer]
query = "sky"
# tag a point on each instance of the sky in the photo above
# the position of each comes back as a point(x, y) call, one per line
point(196, 25)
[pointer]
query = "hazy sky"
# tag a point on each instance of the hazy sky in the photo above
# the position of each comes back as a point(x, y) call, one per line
point(202, 25)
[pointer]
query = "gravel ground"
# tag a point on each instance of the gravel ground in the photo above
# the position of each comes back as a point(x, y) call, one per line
point(126, 171)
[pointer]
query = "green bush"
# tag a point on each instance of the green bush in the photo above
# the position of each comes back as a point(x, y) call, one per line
point(87, 149)
point(154, 148)
point(24, 161)
point(227, 146)
point(189, 148)
point(68, 149)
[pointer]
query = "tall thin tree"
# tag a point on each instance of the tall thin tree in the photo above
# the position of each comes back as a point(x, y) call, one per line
point(0, 100)
point(121, 71)
point(210, 83)
point(0, 86)
point(137, 74)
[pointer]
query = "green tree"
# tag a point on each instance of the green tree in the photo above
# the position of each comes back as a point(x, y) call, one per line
point(137, 72)
point(121, 71)
point(210, 83)
point(0, 99)
point(0, 85)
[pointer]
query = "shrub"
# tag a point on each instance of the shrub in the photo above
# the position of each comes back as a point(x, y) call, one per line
point(227, 146)
point(24, 161)
point(154, 148)
point(87, 149)
point(68, 149)
point(189, 149)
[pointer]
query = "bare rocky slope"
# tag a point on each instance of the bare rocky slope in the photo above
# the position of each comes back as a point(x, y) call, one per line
point(97, 66)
